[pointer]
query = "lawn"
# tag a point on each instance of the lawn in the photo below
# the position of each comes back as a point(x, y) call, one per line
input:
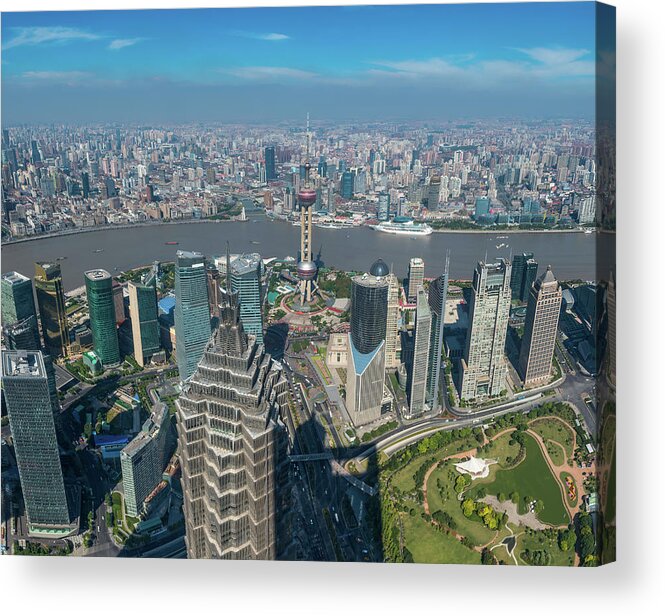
point(551, 429)
point(403, 478)
point(556, 453)
point(428, 545)
point(533, 540)
point(610, 503)
point(532, 477)
point(500, 449)
point(444, 476)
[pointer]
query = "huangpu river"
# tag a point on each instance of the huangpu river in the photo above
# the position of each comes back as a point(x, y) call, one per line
point(571, 255)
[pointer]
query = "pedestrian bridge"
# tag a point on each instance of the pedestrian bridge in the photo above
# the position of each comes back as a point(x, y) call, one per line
point(311, 457)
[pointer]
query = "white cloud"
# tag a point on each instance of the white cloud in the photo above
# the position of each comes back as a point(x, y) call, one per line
point(269, 73)
point(554, 56)
point(51, 34)
point(68, 78)
point(122, 43)
point(262, 36)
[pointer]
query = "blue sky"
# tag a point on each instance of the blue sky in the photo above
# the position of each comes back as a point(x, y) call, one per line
point(264, 65)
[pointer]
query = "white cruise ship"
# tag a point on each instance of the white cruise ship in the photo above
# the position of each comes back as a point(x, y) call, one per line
point(401, 225)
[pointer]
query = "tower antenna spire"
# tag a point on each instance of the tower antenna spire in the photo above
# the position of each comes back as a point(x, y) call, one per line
point(228, 268)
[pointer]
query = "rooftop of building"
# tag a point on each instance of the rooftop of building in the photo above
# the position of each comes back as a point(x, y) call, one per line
point(379, 269)
point(248, 262)
point(14, 278)
point(97, 274)
point(22, 363)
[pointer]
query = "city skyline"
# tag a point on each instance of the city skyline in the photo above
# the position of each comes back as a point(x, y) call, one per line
point(87, 63)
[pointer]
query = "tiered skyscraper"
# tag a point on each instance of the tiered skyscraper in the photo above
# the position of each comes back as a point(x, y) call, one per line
point(542, 320)
point(366, 368)
point(192, 312)
point(483, 366)
point(51, 303)
point(99, 289)
point(232, 445)
point(32, 403)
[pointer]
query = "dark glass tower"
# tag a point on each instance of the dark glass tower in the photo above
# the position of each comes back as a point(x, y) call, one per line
point(51, 303)
point(525, 270)
point(271, 174)
point(369, 308)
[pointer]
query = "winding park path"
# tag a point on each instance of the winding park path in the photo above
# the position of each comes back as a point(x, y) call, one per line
point(574, 471)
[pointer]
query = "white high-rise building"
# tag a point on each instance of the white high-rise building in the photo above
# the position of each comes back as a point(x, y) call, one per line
point(416, 278)
point(420, 361)
point(484, 370)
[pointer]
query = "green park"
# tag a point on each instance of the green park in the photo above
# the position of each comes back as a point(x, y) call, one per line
point(521, 511)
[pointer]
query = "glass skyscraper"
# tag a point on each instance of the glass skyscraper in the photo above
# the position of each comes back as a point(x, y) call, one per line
point(30, 394)
point(101, 305)
point(347, 184)
point(367, 340)
point(438, 291)
point(246, 282)
point(524, 273)
point(17, 300)
point(143, 315)
point(51, 304)
point(421, 356)
point(18, 312)
point(192, 312)
point(270, 163)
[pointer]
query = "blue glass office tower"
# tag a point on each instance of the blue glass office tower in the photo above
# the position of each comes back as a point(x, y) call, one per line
point(246, 282)
point(348, 180)
point(270, 163)
point(192, 313)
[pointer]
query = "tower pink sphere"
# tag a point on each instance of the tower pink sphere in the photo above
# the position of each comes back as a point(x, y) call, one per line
point(307, 196)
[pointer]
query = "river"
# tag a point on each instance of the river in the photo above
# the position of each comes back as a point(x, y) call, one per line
point(572, 255)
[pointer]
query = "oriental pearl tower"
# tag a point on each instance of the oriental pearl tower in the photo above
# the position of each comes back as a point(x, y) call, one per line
point(306, 267)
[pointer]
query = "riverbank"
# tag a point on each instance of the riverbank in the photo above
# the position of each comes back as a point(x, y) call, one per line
point(77, 231)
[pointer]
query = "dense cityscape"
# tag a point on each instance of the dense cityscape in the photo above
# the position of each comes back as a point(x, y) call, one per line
point(240, 405)
point(316, 338)
point(482, 175)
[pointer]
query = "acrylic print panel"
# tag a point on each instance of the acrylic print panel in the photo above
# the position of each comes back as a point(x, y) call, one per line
point(268, 295)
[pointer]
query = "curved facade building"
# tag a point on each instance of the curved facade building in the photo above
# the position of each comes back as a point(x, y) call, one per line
point(369, 309)
point(101, 305)
point(366, 368)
